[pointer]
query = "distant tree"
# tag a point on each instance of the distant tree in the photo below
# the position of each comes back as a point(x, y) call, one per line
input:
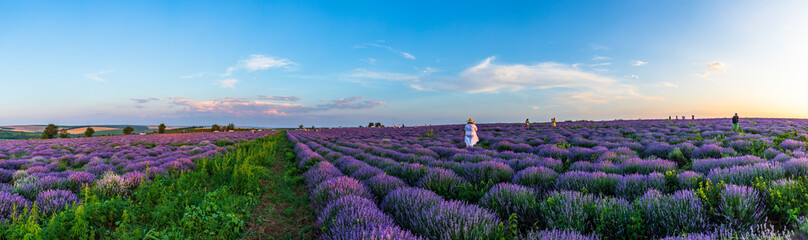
point(300, 127)
point(370, 124)
point(231, 126)
point(215, 127)
point(89, 132)
point(312, 126)
point(50, 131)
point(378, 124)
point(63, 133)
point(128, 130)
point(161, 128)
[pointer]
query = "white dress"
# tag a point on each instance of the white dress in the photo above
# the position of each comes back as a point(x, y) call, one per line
point(471, 134)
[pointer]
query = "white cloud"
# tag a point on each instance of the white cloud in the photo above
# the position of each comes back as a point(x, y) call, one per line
point(714, 67)
point(366, 74)
point(600, 64)
point(638, 63)
point(96, 76)
point(428, 70)
point(391, 49)
point(260, 62)
point(407, 55)
point(228, 83)
point(668, 84)
point(491, 77)
point(280, 98)
point(600, 58)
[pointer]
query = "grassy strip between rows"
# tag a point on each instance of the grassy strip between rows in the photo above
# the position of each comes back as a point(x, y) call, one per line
point(214, 201)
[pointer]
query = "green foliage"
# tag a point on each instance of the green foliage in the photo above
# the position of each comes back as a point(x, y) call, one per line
point(215, 127)
point(785, 198)
point(231, 126)
point(63, 133)
point(128, 130)
point(710, 195)
point(89, 132)
point(618, 219)
point(211, 202)
point(50, 131)
point(161, 128)
point(677, 156)
point(428, 134)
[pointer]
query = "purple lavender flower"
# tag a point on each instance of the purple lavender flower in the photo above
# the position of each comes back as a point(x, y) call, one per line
point(320, 172)
point(539, 178)
point(455, 220)
point(636, 165)
point(705, 165)
point(741, 206)
point(664, 214)
point(557, 234)
point(382, 184)
point(712, 151)
point(366, 172)
point(350, 212)
point(441, 181)
point(746, 175)
point(791, 145)
point(404, 203)
point(11, 204)
point(797, 167)
point(488, 170)
point(335, 188)
point(382, 232)
point(53, 201)
point(592, 182)
point(634, 185)
point(569, 210)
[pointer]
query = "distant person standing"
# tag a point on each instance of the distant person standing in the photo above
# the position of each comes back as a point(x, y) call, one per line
point(693, 116)
point(735, 120)
point(471, 133)
point(527, 123)
point(554, 122)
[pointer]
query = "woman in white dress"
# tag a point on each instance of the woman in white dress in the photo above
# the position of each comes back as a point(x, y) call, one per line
point(471, 133)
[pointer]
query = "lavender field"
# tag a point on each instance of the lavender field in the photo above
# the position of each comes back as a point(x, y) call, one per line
point(651, 179)
point(54, 173)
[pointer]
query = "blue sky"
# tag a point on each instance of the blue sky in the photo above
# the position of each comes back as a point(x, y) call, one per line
point(333, 63)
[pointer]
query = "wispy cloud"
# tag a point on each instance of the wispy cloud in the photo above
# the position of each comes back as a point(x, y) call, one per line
point(492, 77)
point(195, 75)
point(428, 70)
point(391, 49)
point(248, 107)
point(367, 74)
point(260, 62)
point(280, 98)
point(600, 58)
point(227, 83)
point(638, 63)
point(96, 76)
point(714, 67)
point(668, 84)
point(595, 46)
point(144, 100)
point(371, 61)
